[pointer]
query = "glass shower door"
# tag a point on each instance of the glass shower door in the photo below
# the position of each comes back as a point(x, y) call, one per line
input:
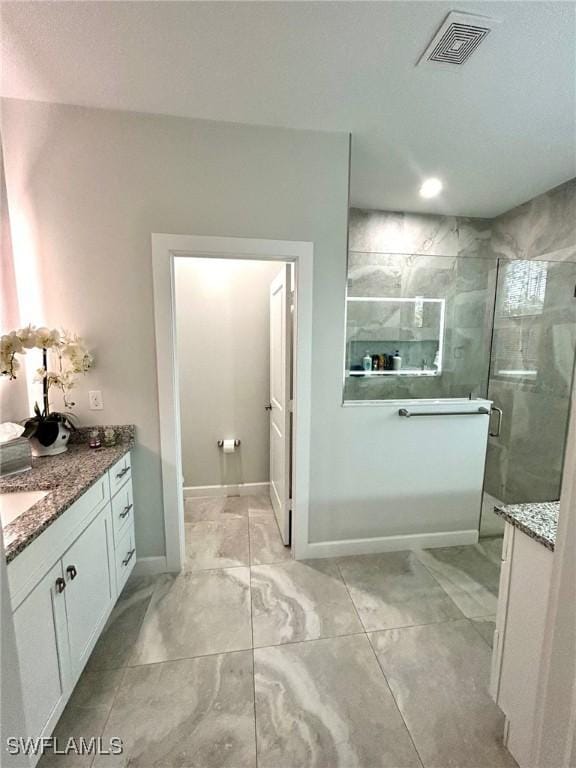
point(531, 367)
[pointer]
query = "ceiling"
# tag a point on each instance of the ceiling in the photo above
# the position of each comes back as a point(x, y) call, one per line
point(498, 130)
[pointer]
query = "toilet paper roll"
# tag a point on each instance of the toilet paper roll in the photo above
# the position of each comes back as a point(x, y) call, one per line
point(228, 446)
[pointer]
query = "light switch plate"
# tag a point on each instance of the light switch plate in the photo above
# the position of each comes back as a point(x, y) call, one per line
point(95, 399)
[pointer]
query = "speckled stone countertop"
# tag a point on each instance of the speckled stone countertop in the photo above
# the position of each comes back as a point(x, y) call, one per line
point(537, 520)
point(67, 476)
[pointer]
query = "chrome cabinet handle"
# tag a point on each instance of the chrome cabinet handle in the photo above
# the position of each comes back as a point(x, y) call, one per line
point(126, 511)
point(122, 473)
point(494, 409)
point(60, 585)
point(128, 557)
point(72, 572)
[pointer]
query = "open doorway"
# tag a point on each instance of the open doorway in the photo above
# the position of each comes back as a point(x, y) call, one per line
point(234, 332)
point(166, 250)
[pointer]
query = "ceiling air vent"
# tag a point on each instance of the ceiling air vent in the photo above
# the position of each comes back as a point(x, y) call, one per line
point(457, 39)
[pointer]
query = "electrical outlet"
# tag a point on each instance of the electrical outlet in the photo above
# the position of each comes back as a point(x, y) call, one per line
point(95, 398)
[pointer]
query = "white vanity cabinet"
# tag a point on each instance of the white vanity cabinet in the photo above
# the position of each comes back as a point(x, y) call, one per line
point(525, 579)
point(63, 587)
point(40, 627)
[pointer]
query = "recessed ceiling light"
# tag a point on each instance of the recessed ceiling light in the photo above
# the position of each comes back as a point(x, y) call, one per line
point(431, 188)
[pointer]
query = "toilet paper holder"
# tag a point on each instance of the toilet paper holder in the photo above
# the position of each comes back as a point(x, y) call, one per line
point(221, 443)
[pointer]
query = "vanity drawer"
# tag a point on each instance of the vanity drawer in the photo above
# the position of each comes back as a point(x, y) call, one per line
point(125, 558)
point(122, 511)
point(119, 474)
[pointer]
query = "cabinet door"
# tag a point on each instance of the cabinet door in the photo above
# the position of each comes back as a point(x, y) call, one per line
point(89, 592)
point(40, 627)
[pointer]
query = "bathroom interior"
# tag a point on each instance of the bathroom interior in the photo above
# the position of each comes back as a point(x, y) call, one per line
point(231, 465)
point(299, 488)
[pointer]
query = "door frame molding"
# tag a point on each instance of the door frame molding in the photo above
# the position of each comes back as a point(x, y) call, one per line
point(165, 249)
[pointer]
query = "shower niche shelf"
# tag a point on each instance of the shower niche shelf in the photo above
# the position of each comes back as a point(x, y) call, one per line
point(401, 372)
point(379, 326)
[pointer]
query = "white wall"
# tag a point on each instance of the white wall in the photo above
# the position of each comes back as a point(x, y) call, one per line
point(92, 185)
point(223, 332)
point(13, 394)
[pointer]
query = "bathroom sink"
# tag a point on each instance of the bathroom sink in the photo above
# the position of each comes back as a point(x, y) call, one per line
point(12, 505)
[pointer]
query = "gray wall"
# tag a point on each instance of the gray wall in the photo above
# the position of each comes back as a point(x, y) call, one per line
point(223, 330)
point(94, 184)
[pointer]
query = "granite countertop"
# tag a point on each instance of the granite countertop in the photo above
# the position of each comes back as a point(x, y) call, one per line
point(67, 476)
point(538, 520)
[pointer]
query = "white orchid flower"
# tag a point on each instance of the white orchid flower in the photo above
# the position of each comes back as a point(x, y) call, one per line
point(47, 338)
point(27, 336)
point(67, 352)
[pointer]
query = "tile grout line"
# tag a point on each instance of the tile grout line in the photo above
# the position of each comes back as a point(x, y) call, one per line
point(464, 615)
point(252, 636)
point(473, 621)
point(254, 702)
point(356, 611)
point(238, 650)
point(114, 697)
point(396, 703)
point(431, 573)
point(123, 669)
point(380, 666)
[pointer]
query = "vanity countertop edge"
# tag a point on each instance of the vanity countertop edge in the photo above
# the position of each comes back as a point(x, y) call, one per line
point(539, 520)
point(66, 477)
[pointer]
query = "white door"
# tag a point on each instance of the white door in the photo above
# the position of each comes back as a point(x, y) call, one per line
point(279, 406)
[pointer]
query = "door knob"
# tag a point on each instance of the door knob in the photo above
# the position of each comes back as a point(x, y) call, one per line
point(72, 572)
point(268, 407)
point(60, 584)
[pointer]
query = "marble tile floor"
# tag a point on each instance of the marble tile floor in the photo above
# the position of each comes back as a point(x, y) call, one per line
point(231, 531)
point(361, 662)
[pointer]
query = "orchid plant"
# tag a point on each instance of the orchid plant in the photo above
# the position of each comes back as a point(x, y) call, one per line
point(64, 356)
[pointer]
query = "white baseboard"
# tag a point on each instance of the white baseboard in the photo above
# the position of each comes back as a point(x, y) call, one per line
point(150, 566)
point(243, 489)
point(379, 544)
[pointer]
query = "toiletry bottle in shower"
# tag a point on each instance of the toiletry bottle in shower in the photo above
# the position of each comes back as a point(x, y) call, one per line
point(367, 362)
point(396, 361)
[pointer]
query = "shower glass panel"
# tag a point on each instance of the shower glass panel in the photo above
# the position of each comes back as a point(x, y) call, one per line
point(433, 312)
point(530, 378)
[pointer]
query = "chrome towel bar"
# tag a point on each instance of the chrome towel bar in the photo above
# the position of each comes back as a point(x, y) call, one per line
point(481, 411)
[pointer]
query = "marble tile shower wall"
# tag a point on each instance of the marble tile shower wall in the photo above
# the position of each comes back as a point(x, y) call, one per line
point(468, 287)
point(542, 229)
point(525, 463)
